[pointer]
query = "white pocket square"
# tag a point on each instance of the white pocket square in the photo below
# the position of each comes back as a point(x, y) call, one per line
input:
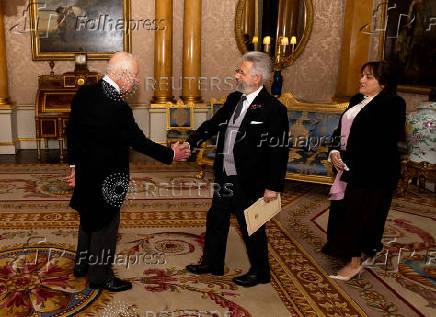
point(256, 122)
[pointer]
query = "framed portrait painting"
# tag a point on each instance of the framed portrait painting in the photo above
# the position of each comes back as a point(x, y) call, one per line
point(409, 42)
point(62, 28)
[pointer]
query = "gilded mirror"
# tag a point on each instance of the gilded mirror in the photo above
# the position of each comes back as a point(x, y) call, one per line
point(280, 28)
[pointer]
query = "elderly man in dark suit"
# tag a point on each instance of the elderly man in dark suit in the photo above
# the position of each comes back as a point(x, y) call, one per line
point(251, 159)
point(100, 132)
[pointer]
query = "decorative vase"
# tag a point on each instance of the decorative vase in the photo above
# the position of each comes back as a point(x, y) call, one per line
point(276, 87)
point(421, 133)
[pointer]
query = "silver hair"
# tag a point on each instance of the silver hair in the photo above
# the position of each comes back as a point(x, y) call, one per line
point(122, 64)
point(261, 65)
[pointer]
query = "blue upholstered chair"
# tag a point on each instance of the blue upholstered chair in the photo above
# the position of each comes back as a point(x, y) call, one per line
point(310, 128)
point(179, 122)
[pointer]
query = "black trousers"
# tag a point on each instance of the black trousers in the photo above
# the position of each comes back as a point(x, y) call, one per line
point(356, 223)
point(96, 250)
point(224, 203)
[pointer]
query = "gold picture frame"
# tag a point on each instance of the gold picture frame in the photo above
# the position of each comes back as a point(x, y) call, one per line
point(300, 45)
point(59, 32)
point(405, 8)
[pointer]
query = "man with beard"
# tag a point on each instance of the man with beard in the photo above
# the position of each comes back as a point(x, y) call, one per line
point(100, 132)
point(250, 163)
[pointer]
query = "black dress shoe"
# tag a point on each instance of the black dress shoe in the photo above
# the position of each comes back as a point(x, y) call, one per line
point(203, 269)
point(250, 279)
point(80, 271)
point(112, 285)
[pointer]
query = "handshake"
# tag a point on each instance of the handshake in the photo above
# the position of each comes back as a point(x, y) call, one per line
point(181, 151)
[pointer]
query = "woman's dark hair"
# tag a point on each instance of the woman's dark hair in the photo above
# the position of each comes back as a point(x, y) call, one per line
point(385, 73)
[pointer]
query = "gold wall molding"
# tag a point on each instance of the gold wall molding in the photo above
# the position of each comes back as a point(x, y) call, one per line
point(8, 143)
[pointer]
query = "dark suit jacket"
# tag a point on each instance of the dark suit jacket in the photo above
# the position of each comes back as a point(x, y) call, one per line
point(260, 151)
point(100, 133)
point(372, 153)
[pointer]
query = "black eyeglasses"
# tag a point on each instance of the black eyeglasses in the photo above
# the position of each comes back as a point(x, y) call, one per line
point(240, 72)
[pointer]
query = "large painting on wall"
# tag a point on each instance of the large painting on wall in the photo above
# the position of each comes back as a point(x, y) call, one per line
point(410, 42)
point(62, 28)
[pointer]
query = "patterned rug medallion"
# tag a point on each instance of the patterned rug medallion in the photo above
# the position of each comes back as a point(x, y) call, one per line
point(162, 230)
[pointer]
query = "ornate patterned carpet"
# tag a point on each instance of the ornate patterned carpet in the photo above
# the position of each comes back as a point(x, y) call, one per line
point(162, 226)
point(402, 281)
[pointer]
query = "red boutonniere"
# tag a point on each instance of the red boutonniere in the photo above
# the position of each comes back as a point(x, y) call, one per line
point(255, 106)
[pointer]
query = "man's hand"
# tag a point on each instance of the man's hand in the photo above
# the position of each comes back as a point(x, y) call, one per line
point(181, 152)
point(269, 195)
point(71, 180)
point(337, 161)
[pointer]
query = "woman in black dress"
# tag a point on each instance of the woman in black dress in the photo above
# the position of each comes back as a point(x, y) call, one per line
point(368, 164)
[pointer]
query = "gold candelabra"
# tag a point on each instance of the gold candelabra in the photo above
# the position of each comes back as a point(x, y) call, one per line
point(280, 52)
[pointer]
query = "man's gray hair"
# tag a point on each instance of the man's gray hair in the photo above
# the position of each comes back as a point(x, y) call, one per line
point(123, 62)
point(261, 65)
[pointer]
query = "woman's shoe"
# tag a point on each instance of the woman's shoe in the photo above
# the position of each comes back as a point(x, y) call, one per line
point(369, 262)
point(358, 271)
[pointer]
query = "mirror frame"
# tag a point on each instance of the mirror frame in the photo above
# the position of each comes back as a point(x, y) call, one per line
point(288, 60)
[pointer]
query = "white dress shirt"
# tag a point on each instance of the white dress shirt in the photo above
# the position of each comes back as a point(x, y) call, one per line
point(247, 102)
point(109, 80)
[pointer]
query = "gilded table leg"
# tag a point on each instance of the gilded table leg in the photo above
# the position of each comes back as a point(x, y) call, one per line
point(200, 175)
point(404, 180)
point(61, 150)
point(38, 147)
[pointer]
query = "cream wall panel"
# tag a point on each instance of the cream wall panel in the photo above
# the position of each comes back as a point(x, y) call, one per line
point(158, 125)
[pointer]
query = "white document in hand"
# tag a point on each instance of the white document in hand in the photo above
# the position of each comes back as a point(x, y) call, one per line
point(260, 212)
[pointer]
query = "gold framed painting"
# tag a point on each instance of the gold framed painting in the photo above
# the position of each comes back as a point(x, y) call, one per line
point(60, 29)
point(409, 41)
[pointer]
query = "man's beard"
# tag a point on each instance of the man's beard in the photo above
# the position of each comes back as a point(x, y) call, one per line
point(244, 87)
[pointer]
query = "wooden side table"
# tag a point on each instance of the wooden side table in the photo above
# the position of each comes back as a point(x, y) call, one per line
point(53, 104)
point(423, 171)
